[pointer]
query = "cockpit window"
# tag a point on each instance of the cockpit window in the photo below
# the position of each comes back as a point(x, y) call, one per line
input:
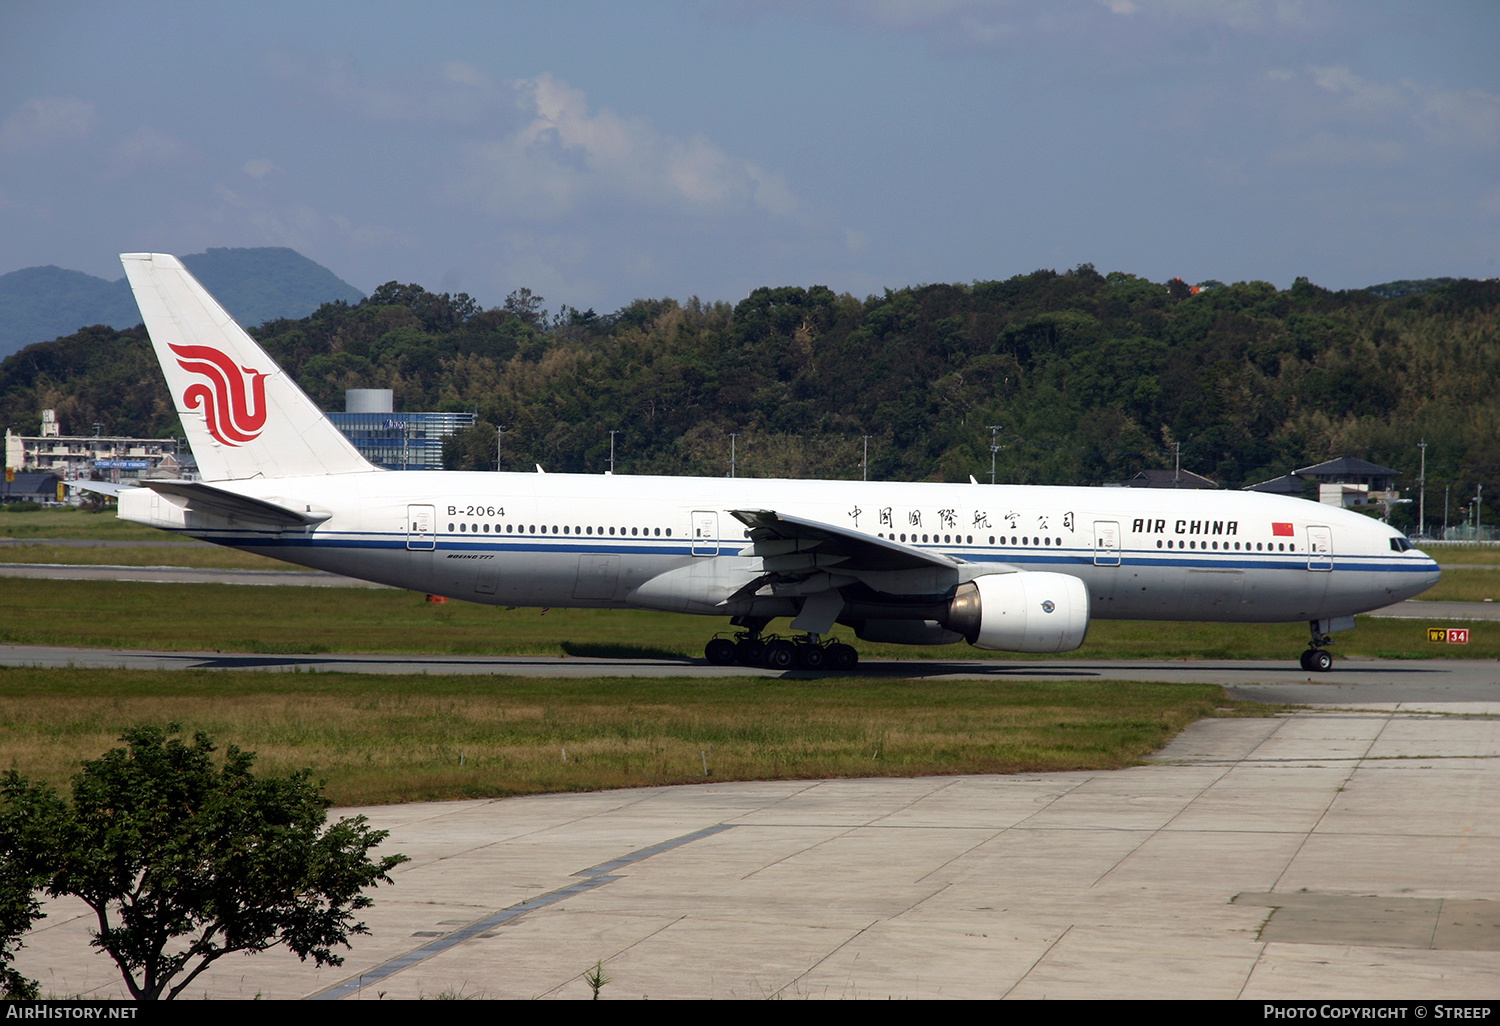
point(1400, 545)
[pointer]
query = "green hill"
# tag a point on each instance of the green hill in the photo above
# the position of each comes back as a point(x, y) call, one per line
point(1076, 378)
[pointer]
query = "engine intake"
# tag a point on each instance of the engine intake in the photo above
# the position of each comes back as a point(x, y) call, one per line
point(1021, 612)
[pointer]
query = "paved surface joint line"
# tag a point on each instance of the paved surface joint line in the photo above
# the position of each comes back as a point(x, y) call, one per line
point(596, 876)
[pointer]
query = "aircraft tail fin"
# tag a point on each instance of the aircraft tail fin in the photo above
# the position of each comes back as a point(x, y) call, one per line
point(244, 416)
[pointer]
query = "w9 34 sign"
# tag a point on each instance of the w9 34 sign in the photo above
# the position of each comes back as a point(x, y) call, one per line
point(1452, 635)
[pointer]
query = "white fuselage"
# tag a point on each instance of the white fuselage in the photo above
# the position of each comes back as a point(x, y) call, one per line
point(595, 541)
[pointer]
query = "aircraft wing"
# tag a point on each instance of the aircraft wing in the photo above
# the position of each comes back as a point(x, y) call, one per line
point(837, 548)
point(206, 497)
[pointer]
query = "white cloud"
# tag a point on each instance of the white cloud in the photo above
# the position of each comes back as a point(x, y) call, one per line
point(568, 158)
point(1329, 149)
point(1329, 115)
point(1359, 96)
point(453, 93)
point(995, 24)
point(46, 120)
point(1467, 118)
point(144, 149)
point(1234, 14)
point(259, 167)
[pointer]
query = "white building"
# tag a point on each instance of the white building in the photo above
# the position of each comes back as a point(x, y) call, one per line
point(97, 457)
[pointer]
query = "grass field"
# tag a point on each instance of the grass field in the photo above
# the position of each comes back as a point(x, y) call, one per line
point(189, 554)
point(1476, 584)
point(1476, 555)
point(74, 523)
point(231, 618)
point(412, 738)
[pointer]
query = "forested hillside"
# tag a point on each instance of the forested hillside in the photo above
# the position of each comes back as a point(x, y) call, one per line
point(1087, 379)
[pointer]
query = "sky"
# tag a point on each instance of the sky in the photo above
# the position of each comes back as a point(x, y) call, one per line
point(597, 153)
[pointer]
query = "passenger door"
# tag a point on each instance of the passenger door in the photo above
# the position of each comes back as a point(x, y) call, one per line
point(1319, 548)
point(421, 527)
point(1106, 543)
point(705, 533)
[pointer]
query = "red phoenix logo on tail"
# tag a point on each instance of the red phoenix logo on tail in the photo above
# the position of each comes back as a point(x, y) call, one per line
point(225, 404)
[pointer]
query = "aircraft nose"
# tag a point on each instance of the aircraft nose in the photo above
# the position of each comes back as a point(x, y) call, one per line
point(1426, 578)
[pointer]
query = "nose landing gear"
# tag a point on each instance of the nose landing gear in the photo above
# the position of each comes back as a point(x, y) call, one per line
point(1317, 658)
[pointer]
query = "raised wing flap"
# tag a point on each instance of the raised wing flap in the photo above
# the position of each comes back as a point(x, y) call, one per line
point(856, 552)
point(206, 497)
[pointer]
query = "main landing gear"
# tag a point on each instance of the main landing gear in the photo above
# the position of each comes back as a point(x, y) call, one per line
point(1317, 659)
point(807, 652)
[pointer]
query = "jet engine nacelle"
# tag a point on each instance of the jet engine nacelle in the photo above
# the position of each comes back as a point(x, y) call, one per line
point(1021, 612)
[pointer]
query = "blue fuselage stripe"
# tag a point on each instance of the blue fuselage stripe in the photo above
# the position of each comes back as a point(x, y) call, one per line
point(1065, 557)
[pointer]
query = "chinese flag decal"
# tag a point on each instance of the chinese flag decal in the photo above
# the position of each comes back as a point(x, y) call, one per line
point(1282, 530)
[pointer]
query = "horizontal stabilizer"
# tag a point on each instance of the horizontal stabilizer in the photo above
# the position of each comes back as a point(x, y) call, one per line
point(98, 487)
point(208, 499)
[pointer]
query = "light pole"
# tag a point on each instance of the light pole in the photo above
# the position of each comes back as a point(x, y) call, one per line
point(499, 441)
point(612, 452)
point(1422, 495)
point(732, 438)
point(864, 463)
point(994, 448)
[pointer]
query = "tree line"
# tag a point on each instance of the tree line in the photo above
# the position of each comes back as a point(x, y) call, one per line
point(1062, 378)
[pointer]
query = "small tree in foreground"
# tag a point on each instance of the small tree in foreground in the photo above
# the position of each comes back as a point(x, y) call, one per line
point(18, 910)
point(184, 863)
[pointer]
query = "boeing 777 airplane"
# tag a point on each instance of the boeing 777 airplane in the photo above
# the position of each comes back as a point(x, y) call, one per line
point(1008, 568)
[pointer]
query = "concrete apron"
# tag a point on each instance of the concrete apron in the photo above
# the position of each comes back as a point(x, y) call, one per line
point(1332, 853)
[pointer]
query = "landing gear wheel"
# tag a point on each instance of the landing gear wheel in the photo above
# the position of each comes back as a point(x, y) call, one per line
point(842, 657)
point(811, 657)
point(720, 651)
point(1317, 658)
point(750, 652)
point(781, 655)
